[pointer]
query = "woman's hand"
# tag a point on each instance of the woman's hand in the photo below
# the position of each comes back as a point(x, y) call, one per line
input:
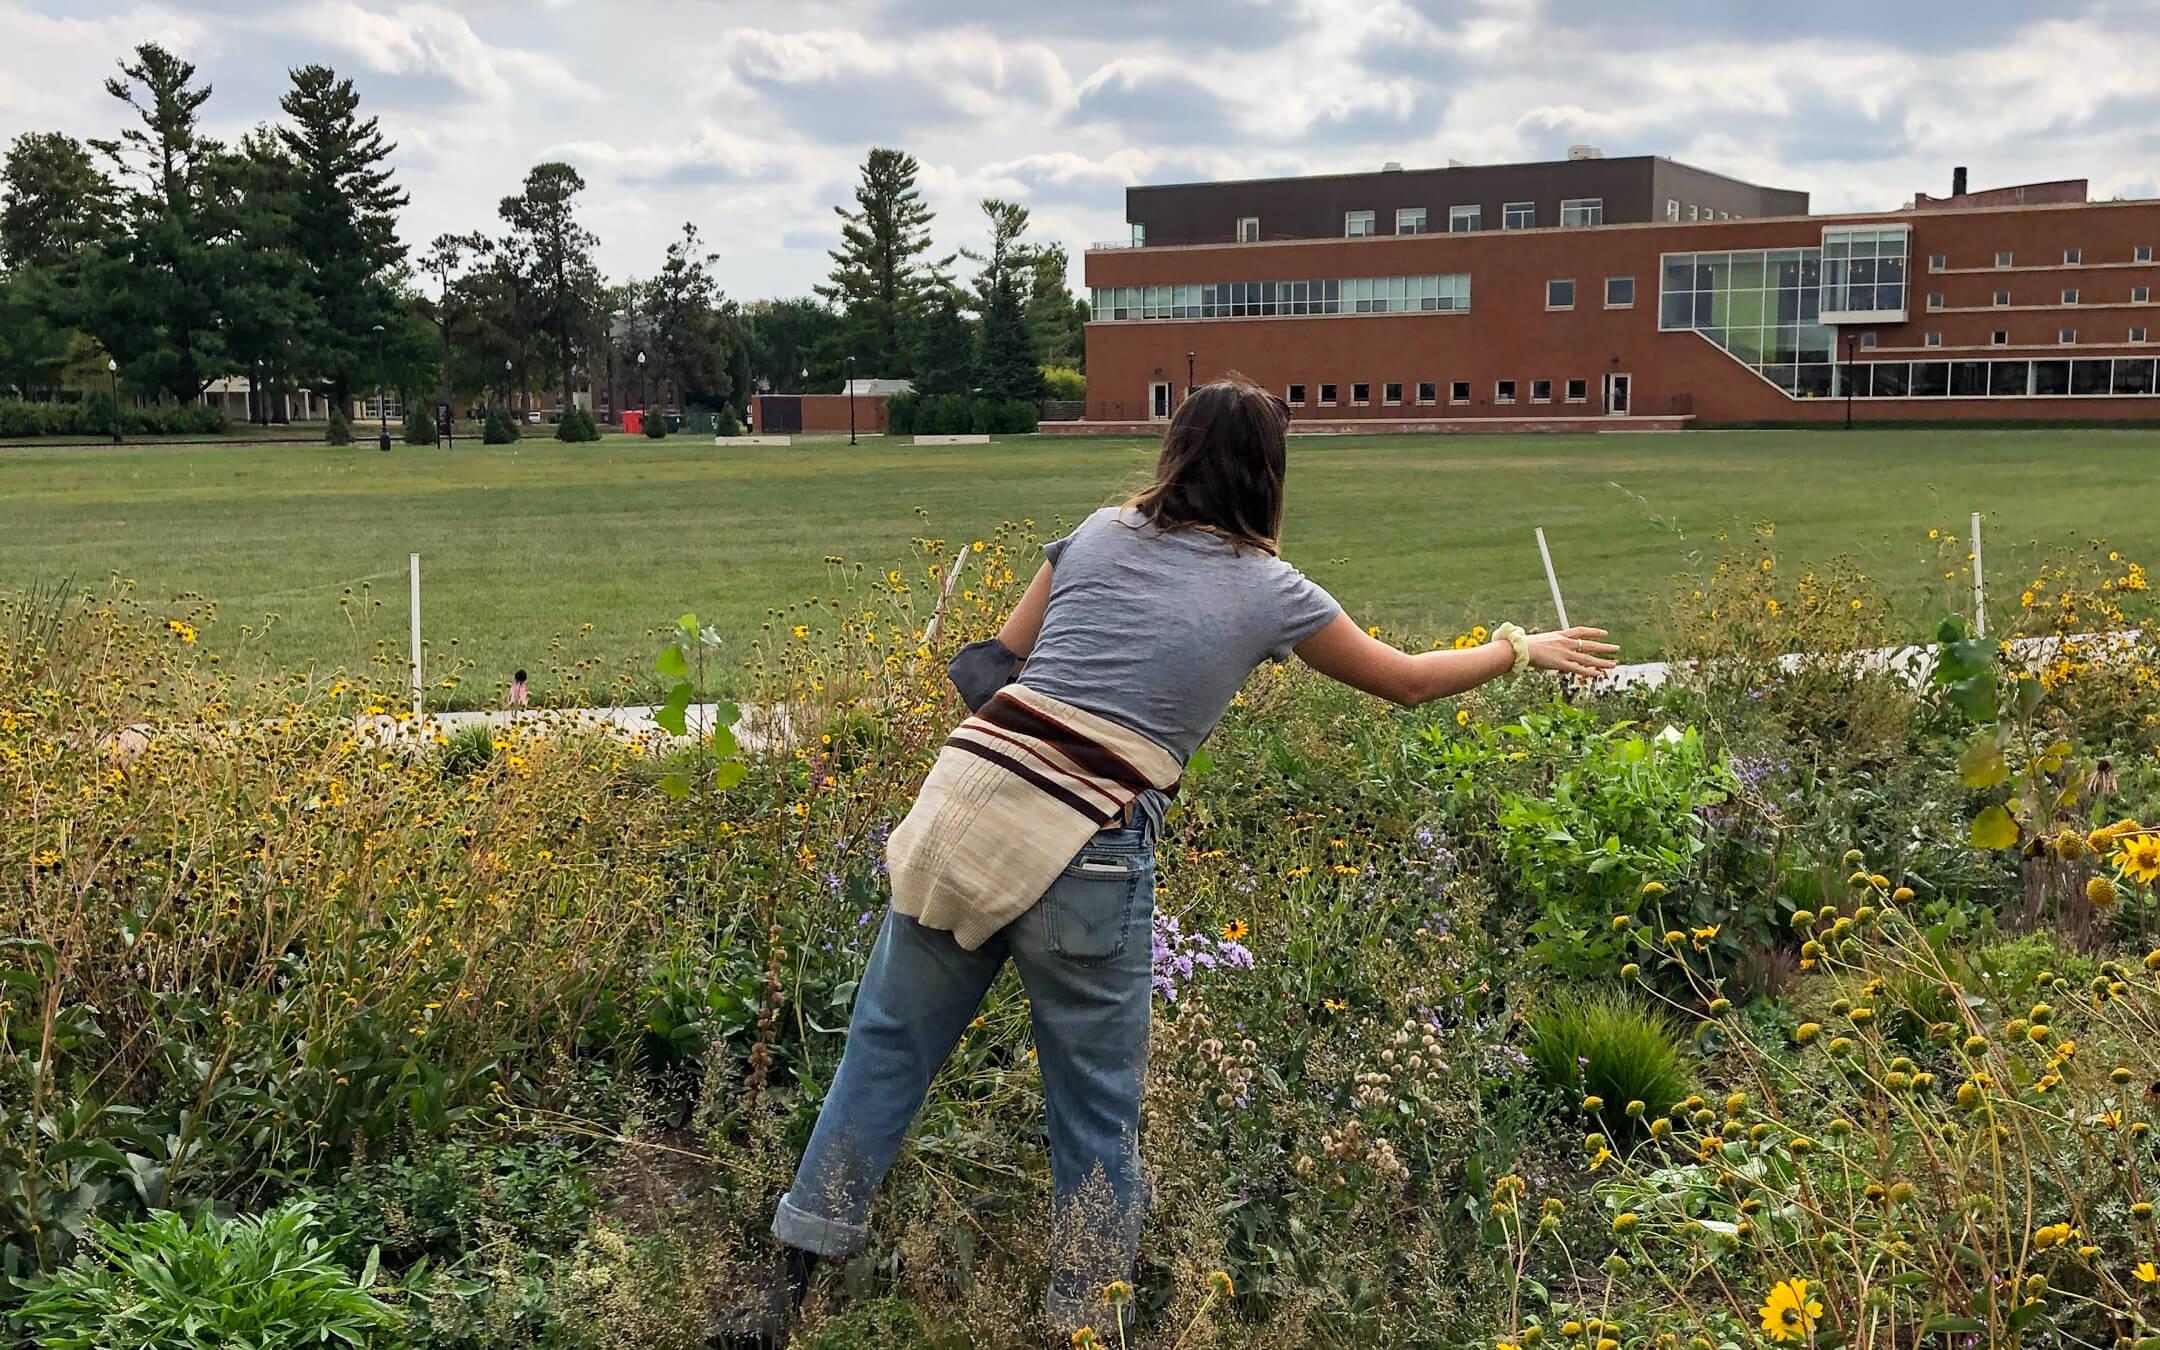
point(1572, 651)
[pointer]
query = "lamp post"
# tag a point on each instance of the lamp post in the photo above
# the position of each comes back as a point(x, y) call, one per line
point(851, 400)
point(1849, 336)
point(382, 404)
point(1188, 374)
point(644, 399)
point(804, 384)
point(112, 369)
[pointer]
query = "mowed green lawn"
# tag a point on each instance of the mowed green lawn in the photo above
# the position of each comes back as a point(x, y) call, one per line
point(523, 545)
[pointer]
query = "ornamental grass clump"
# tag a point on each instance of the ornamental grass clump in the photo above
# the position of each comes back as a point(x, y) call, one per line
point(1619, 1059)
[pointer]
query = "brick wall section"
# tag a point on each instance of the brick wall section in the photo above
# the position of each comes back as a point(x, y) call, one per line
point(824, 413)
point(1509, 334)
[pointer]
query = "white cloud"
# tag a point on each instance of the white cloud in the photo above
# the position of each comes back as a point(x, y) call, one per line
point(426, 40)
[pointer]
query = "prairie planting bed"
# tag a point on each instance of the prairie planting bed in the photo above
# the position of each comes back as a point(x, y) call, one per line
point(563, 559)
point(1780, 1007)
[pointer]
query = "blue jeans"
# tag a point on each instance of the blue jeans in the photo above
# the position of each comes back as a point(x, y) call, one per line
point(1085, 956)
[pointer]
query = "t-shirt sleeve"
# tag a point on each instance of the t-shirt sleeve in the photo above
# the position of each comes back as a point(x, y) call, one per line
point(1055, 549)
point(1304, 608)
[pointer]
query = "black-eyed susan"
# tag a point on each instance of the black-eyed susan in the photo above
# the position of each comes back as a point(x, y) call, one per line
point(1790, 1312)
point(1235, 931)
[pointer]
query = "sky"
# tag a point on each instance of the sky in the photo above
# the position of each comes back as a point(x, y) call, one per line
point(751, 119)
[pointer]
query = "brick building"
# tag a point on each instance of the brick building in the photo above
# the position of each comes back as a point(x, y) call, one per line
point(1612, 303)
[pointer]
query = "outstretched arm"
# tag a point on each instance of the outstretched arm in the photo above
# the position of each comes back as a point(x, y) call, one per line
point(1024, 624)
point(1343, 651)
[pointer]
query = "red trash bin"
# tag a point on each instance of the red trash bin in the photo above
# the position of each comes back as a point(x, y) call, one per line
point(633, 421)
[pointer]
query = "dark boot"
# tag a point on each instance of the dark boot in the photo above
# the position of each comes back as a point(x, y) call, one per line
point(759, 1317)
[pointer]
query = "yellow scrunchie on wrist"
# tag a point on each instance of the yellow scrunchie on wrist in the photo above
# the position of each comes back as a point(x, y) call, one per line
point(1513, 635)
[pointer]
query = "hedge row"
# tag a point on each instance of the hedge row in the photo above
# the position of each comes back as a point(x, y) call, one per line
point(950, 414)
point(94, 417)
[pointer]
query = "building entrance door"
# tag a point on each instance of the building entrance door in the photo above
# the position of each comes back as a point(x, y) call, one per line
point(1159, 400)
point(1616, 394)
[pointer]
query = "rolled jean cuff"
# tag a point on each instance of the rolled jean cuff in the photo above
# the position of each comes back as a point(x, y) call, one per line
point(812, 1233)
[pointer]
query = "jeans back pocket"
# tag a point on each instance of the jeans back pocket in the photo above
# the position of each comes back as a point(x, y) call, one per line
point(1090, 906)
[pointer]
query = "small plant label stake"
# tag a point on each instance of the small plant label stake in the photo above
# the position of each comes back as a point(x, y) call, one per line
point(1559, 605)
point(416, 636)
point(1979, 593)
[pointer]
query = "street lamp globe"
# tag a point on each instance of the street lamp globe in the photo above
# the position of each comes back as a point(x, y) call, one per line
point(112, 365)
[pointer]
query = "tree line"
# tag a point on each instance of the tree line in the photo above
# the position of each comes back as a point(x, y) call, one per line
point(184, 260)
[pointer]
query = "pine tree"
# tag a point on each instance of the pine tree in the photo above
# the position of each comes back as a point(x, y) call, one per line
point(1006, 368)
point(687, 315)
point(152, 298)
point(882, 274)
point(264, 300)
point(344, 225)
point(564, 282)
point(1056, 319)
point(945, 355)
point(56, 201)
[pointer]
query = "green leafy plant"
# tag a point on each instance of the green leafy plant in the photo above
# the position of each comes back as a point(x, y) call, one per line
point(656, 427)
point(682, 664)
point(1612, 1051)
point(338, 431)
point(165, 1283)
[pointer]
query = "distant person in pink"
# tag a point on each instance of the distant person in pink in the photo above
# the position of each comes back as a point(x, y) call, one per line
point(517, 690)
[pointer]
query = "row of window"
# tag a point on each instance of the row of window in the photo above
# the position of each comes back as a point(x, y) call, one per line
point(2071, 295)
point(2072, 257)
point(2132, 377)
point(1443, 293)
point(1619, 293)
point(2001, 337)
point(1428, 393)
point(1673, 210)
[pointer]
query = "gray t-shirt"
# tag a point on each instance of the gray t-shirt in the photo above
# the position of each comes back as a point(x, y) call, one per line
point(1156, 629)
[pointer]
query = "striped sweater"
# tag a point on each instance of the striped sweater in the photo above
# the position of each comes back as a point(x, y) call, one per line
point(1017, 790)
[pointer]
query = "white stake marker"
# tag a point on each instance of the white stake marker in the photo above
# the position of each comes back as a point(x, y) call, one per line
point(1559, 605)
point(1979, 592)
point(416, 635)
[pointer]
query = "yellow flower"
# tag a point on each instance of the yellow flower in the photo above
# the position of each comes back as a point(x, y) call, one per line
point(1789, 1313)
point(2146, 1272)
point(2139, 858)
point(1703, 936)
point(1478, 634)
point(1234, 931)
point(1600, 1158)
point(2100, 893)
point(1462, 717)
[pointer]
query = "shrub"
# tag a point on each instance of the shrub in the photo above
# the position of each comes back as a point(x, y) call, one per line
point(901, 412)
point(499, 428)
point(656, 427)
point(92, 416)
point(1063, 382)
point(337, 431)
point(468, 751)
point(726, 424)
point(577, 426)
point(419, 425)
point(1604, 1047)
point(167, 1284)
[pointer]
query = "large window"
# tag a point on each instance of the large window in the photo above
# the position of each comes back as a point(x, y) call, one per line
point(1410, 220)
point(1518, 216)
point(1560, 293)
point(1463, 219)
point(2052, 377)
point(1863, 274)
point(1578, 211)
point(1442, 294)
point(1139, 235)
point(1357, 224)
point(1619, 292)
point(1761, 306)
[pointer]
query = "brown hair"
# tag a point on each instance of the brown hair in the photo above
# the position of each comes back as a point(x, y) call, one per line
point(1221, 467)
